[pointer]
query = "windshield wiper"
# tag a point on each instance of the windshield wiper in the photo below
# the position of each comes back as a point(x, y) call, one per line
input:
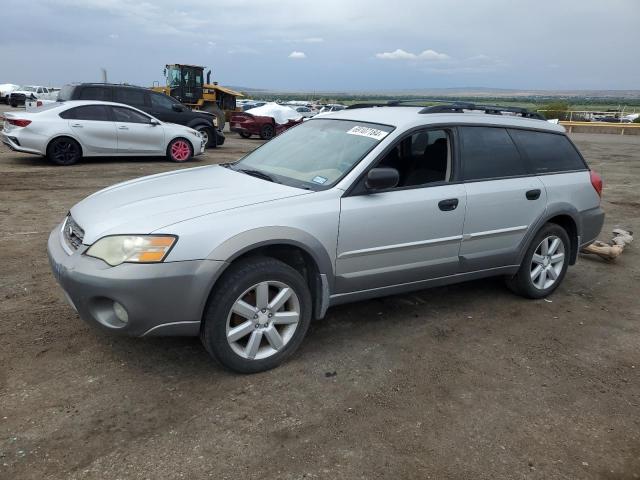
point(258, 174)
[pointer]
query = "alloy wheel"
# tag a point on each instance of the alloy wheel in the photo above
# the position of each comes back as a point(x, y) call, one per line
point(263, 320)
point(180, 151)
point(547, 262)
point(65, 152)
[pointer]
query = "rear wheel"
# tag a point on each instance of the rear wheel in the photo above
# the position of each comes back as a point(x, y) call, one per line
point(544, 265)
point(179, 150)
point(217, 111)
point(267, 132)
point(64, 151)
point(257, 316)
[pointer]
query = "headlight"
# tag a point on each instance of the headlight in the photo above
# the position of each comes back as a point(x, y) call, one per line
point(118, 249)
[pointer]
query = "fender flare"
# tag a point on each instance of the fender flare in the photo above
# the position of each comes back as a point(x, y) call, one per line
point(553, 210)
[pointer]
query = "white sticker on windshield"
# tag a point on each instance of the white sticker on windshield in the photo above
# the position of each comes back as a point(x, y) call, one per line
point(368, 132)
point(319, 179)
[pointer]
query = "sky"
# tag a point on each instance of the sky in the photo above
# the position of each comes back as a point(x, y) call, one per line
point(328, 45)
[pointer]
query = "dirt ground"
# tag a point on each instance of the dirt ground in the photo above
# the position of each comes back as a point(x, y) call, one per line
point(463, 382)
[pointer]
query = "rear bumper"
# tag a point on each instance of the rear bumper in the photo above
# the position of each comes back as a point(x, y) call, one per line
point(592, 221)
point(13, 142)
point(159, 299)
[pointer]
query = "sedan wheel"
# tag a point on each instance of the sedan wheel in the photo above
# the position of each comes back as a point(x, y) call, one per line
point(64, 151)
point(267, 132)
point(179, 150)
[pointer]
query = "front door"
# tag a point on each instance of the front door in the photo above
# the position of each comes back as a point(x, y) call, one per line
point(136, 133)
point(409, 233)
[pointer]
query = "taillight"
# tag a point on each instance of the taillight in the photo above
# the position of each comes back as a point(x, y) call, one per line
point(596, 181)
point(38, 103)
point(18, 123)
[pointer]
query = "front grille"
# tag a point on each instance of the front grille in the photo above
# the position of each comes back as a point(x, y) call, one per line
point(72, 233)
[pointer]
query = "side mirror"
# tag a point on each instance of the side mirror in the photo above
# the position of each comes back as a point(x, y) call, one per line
point(153, 122)
point(177, 108)
point(382, 178)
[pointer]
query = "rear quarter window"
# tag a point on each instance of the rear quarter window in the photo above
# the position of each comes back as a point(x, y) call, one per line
point(130, 96)
point(95, 93)
point(547, 152)
point(489, 152)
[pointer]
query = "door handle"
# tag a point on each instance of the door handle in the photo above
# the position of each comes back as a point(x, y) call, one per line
point(448, 204)
point(122, 127)
point(76, 125)
point(533, 194)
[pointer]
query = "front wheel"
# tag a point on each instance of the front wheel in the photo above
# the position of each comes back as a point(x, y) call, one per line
point(258, 315)
point(64, 151)
point(544, 264)
point(245, 134)
point(208, 136)
point(179, 150)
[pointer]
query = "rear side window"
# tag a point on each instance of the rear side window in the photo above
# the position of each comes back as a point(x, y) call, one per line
point(129, 96)
point(98, 113)
point(95, 93)
point(489, 152)
point(126, 115)
point(547, 152)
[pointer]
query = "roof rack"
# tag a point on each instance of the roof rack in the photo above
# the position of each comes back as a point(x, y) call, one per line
point(454, 107)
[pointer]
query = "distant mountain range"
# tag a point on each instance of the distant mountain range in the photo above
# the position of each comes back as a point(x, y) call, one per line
point(455, 92)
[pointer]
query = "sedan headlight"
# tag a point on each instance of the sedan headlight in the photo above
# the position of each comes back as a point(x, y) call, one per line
point(119, 249)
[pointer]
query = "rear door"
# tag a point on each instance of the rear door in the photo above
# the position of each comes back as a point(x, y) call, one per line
point(94, 127)
point(503, 200)
point(136, 134)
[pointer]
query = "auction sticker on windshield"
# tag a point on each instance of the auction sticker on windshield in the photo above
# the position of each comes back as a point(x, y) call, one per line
point(368, 132)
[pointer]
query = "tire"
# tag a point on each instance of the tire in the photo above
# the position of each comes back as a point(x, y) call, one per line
point(209, 134)
point(254, 326)
point(14, 104)
point(245, 134)
point(539, 276)
point(215, 109)
point(64, 151)
point(179, 150)
point(267, 132)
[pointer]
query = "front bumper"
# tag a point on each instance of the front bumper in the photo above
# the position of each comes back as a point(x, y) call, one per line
point(160, 299)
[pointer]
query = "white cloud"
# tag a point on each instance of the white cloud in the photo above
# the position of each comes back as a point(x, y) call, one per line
point(400, 54)
point(297, 55)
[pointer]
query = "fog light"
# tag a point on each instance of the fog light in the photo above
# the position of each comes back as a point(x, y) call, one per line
point(120, 312)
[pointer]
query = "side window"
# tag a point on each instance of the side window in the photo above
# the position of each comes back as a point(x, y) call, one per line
point(547, 152)
point(95, 93)
point(126, 115)
point(489, 152)
point(161, 102)
point(44, 90)
point(98, 113)
point(422, 158)
point(129, 96)
point(39, 90)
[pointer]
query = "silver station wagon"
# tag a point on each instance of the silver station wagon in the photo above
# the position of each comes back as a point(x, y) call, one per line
point(366, 202)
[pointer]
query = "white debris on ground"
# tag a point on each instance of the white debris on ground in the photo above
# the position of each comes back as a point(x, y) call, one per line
point(621, 238)
point(280, 113)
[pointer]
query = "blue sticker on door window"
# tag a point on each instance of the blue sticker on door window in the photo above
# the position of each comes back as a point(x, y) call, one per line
point(319, 179)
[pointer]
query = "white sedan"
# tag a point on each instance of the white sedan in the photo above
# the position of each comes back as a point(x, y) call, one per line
point(66, 132)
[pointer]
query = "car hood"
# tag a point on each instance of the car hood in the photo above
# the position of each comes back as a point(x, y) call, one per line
point(148, 204)
point(24, 92)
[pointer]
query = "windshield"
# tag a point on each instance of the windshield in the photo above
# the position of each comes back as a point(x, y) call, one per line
point(315, 154)
point(28, 89)
point(173, 76)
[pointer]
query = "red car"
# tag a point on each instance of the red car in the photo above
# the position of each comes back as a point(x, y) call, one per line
point(266, 128)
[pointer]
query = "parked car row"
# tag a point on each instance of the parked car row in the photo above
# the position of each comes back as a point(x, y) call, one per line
point(17, 96)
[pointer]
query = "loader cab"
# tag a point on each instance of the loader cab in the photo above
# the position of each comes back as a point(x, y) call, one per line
point(185, 82)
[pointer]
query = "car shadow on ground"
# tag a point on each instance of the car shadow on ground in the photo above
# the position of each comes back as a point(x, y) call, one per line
point(185, 356)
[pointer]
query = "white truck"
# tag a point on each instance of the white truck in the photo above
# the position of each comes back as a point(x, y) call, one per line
point(5, 91)
point(31, 93)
